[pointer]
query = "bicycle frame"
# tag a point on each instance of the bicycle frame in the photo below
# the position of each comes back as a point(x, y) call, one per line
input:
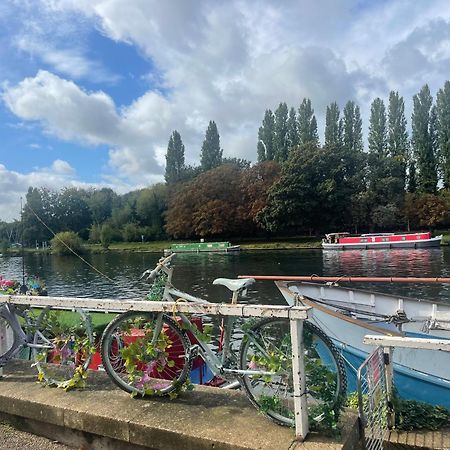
point(11, 314)
point(217, 365)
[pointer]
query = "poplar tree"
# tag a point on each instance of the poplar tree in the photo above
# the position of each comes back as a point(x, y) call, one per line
point(383, 189)
point(174, 158)
point(293, 140)
point(352, 151)
point(266, 137)
point(377, 129)
point(443, 125)
point(211, 154)
point(280, 140)
point(333, 126)
point(352, 126)
point(397, 137)
point(423, 126)
point(307, 124)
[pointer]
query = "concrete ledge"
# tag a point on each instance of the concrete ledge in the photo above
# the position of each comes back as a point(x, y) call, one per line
point(103, 416)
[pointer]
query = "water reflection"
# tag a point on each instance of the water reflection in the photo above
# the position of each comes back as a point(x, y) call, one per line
point(393, 263)
point(68, 275)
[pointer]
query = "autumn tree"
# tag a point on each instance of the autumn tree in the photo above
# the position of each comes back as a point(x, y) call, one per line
point(255, 185)
point(206, 207)
point(211, 154)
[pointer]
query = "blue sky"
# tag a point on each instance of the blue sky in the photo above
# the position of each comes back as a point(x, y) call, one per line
point(90, 90)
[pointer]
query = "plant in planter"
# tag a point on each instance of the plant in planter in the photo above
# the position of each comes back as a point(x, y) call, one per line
point(63, 349)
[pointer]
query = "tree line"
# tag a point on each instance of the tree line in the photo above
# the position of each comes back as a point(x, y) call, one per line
point(297, 186)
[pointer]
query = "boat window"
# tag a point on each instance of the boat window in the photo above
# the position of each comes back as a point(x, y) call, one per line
point(403, 238)
point(363, 240)
point(385, 239)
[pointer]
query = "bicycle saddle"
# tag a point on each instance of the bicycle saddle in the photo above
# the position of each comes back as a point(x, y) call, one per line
point(234, 285)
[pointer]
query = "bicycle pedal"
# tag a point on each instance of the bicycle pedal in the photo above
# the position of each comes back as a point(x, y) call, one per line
point(193, 352)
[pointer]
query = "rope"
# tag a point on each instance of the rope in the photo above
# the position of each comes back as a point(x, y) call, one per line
point(69, 248)
point(174, 307)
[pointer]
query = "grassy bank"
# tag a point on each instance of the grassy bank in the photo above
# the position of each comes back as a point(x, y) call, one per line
point(246, 245)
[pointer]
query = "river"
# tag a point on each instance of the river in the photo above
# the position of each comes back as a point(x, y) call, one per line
point(194, 273)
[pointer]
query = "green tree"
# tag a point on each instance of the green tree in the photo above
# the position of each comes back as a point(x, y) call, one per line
point(239, 162)
point(106, 235)
point(151, 205)
point(310, 194)
point(397, 138)
point(72, 211)
point(352, 128)
point(379, 169)
point(266, 135)
point(100, 202)
point(38, 210)
point(280, 140)
point(422, 140)
point(377, 128)
point(63, 242)
point(211, 154)
point(443, 125)
point(333, 126)
point(307, 124)
point(174, 158)
point(292, 134)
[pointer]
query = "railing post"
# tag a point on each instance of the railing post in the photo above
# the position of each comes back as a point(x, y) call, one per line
point(389, 376)
point(298, 373)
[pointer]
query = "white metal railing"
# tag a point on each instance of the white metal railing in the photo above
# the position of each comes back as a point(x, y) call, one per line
point(387, 344)
point(296, 315)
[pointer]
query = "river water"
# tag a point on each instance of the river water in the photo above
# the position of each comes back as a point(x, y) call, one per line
point(194, 273)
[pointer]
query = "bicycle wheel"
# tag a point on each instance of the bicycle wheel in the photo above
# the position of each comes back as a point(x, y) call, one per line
point(8, 340)
point(267, 347)
point(62, 348)
point(146, 353)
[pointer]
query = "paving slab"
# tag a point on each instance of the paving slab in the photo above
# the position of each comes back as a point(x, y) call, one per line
point(206, 418)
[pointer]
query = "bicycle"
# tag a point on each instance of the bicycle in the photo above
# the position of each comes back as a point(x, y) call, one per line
point(147, 353)
point(61, 353)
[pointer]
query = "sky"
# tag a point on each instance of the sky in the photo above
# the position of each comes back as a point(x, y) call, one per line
point(90, 90)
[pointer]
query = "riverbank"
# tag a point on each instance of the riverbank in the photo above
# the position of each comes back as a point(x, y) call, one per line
point(246, 245)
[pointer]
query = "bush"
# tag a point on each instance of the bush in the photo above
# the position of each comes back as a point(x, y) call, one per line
point(63, 242)
point(106, 235)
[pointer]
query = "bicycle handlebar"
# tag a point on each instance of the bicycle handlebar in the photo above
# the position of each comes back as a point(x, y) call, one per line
point(152, 274)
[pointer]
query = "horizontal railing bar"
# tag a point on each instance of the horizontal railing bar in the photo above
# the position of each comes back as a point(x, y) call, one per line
point(407, 342)
point(111, 305)
point(349, 279)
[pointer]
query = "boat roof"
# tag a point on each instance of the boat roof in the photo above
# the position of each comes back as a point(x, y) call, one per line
point(344, 233)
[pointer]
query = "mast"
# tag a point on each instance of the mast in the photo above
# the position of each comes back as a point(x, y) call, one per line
point(23, 288)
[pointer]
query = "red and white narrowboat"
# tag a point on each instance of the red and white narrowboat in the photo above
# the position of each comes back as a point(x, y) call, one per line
point(344, 241)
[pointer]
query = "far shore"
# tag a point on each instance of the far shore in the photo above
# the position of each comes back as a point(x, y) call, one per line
point(299, 243)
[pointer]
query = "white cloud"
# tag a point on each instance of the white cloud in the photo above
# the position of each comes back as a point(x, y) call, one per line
point(222, 61)
point(14, 185)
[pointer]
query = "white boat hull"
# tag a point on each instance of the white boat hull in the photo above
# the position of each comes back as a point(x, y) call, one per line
point(419, 374)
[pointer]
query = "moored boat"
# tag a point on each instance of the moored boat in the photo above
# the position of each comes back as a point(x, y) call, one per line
point(200, 247)
point(345, 241)
point(422, 375)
